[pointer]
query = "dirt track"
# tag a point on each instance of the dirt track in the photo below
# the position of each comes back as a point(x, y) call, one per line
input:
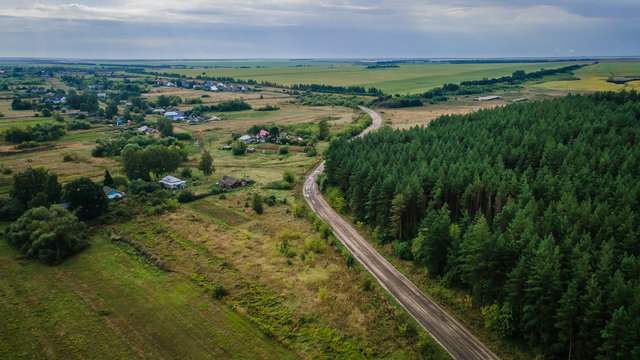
point(454, 338)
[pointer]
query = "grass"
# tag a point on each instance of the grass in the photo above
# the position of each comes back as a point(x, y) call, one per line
point(103, 303)
point(206, 241)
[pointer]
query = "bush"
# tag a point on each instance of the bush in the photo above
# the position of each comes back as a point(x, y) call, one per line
point(239, 147)
point(288, 177)
point(279, 185)
point(349, 260)
point(47, 234)
point(283, 150)
point(216, 189)
point(186, 196)
point(27, 145)
point(78, 125)
point(182, 136)
point(186, 172)
point(270, 200)
point(256, 203)
point(403, 250)
point(143, 187)
point(314, 245)
point(219, 291)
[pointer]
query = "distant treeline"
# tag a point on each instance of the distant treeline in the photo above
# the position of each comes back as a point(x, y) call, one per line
point(382, 66)
point(348, 90)
point(230, 105)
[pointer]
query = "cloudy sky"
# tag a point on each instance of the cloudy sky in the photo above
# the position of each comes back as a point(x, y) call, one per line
point(217, 29)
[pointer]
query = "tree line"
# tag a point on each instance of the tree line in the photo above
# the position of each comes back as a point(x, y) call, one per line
point(532, 208)
point(345, 90)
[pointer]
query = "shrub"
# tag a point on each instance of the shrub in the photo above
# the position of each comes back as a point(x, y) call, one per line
point(349, 260)
point(182, 136)
point(219, 291)
point(314, 245)
point(186, 172)
point(256, 203)
point(403, 250)
point(270, 200)
point(27, 145)
point(239, 147)
point(186, 196)
point(283, 150)
point(143, 187)
point(288, 177)
point(216, 189)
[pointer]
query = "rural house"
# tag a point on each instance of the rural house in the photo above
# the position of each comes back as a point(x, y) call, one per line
point(171, 182)
point(113, 194)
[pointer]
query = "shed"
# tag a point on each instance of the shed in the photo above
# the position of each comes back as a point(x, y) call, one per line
point(229, 182)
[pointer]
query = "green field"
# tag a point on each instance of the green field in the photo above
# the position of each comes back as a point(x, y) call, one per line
point(404, 79)
point(103, 303)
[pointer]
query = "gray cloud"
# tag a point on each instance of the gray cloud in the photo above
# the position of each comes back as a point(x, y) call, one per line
point(328, 28)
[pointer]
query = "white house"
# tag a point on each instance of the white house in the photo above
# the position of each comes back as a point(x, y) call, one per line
point(245, 138)
point(171, 182)
point(213, 88)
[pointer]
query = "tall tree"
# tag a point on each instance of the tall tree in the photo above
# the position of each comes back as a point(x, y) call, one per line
point(165, 126)
point(108, 180)
point(36, 182)
point(206, 163)
point(323, 129)
point(86, 198)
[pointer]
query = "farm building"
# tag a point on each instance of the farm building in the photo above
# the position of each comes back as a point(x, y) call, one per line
point(147, 130)
point(174, 115)
point(229, 182)
point(171, 182)
point(113, 194)
point(487, 98)
point(245, 138)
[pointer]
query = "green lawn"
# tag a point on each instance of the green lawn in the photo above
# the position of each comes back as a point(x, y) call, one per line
point(104, 303)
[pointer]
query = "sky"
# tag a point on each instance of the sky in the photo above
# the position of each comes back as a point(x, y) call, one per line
point(242, 29)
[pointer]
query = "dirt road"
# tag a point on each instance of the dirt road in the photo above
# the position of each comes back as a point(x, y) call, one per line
point(454, 338)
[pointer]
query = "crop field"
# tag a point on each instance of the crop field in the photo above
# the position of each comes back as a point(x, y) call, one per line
point(594, 78)
point(404, 79)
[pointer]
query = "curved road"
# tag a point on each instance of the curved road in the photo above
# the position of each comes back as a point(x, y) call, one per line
point(454, 338)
